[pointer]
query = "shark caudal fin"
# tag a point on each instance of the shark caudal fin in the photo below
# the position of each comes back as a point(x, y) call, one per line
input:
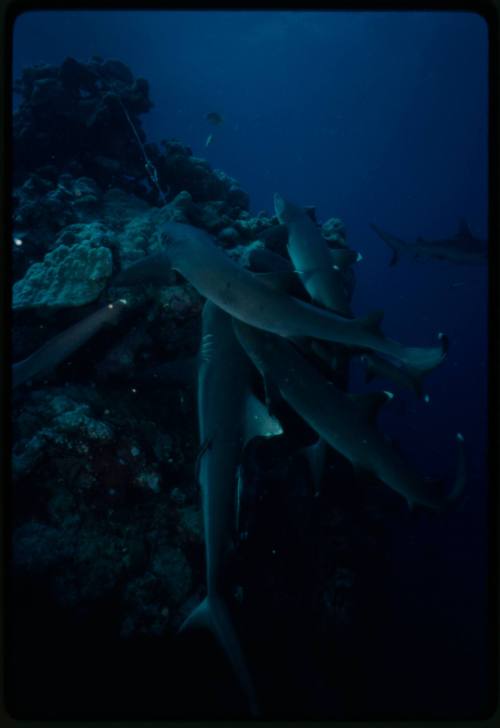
point(212, 614)
point(395, 244)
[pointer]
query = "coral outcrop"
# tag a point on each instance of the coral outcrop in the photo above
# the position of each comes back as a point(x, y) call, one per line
point(107, 508)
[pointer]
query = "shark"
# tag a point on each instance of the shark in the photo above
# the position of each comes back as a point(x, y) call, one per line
point(347, 422)
point(193, 253)
point(329, 287)
point(463, 247)
point(60, 347)
point(321, 268)
point(229, 416)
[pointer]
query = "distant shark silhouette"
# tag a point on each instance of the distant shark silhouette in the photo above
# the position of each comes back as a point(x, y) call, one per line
point(347, 422)
point(462, 248)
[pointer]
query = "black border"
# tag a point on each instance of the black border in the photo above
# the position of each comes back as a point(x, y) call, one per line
point(490, 11)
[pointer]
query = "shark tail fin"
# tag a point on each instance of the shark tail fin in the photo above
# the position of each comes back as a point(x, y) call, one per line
point(212, 614)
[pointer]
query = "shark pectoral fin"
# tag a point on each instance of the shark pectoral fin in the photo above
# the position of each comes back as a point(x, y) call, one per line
point(316, 456)
point(258, 420)
point(307, 273)
point(369, 404)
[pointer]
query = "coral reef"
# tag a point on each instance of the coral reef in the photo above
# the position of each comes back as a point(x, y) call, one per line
point(106, 504)
point(69, 275)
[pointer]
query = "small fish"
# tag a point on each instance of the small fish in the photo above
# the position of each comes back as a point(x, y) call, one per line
point(209, 140)
point(214, 118)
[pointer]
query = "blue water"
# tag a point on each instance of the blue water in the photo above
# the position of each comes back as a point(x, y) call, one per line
point(372, 117)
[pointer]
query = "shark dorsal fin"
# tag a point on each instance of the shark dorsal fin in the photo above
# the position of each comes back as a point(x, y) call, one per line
point(369, 404)
point(258, 421)
point(463, 229)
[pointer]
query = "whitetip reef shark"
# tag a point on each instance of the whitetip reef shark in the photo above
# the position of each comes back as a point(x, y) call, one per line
point(320, 268)
point(347, 422)
point(60, 347)
point(192, 252)
point(229, 416)
point(462, 248)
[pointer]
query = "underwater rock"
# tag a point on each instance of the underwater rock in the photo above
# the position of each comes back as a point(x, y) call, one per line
point(228, 236)
point(68, 276)
point(149, 480)
point(101, 560)
point(190, 524)
point(74, 418)
point(182, 301)
point(68, 110)
point(67, 424)
point(235, 195)
point(44, 205)
point(243, 253)
point(121, 358)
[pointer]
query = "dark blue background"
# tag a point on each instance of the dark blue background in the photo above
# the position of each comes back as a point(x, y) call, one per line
point(372, 117)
